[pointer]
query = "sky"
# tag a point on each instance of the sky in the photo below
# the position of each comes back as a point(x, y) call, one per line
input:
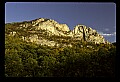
point(98, 16)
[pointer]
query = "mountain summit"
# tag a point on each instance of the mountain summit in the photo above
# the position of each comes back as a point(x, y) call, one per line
point(49, 32)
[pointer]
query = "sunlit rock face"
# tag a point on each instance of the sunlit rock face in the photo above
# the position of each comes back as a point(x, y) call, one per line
point(88, 34)
point(50, 27)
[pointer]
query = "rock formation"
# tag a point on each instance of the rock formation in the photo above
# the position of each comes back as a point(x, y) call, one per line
point(88, 34)
point(40, 29)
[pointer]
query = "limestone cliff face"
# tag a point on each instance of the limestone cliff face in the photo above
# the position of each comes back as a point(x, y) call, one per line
point(88, 34)
point(40, 29)
point(50, 26)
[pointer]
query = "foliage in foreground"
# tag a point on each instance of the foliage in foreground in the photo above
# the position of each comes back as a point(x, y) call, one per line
point(30, 60)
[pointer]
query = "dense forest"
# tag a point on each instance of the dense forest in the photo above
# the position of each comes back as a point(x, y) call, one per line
point(25, 59)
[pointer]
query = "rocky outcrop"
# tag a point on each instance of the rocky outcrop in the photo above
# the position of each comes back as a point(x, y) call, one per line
point(88, 34)
point(50, 27)
point(12, 33)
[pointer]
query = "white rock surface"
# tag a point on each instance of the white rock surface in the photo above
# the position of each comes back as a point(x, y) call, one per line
point(54, 28)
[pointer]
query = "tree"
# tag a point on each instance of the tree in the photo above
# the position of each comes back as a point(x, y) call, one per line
point(30, 66)
point(13, 64)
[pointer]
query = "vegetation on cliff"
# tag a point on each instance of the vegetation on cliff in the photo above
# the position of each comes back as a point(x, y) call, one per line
point(25, 59)
point(81, 58)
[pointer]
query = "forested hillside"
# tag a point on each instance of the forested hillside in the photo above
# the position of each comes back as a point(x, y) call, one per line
point(45, 48)
point(25, 59)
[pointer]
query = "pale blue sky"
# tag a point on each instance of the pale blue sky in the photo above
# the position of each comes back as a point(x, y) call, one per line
point(99, 16)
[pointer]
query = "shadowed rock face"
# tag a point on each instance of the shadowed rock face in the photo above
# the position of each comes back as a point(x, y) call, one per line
point(47, 27)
